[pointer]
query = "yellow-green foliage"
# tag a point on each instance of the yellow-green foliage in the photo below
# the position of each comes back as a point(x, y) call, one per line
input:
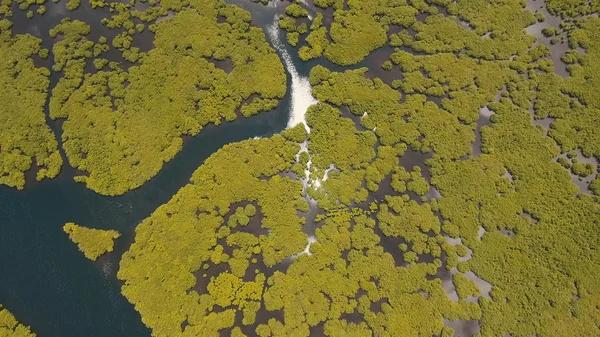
point(73, 4)
point(417, 183)
point(7, 5)
point(324, 288)
point(505, 20)
point(69, 56)
point(464, 286)
point(288, 24)
point(182, 235)
point(10, 327)
point(357, 31)
point(538, 289)
point(577, 119)
point(296, 11)
point(91, 242)
point(541, 283)
point(582, 169)
point(573, 8)
point(316, 41)
point(317, 288)
point(469, 84)
point(24, 135)
point(293, 38)
point(542, 275)
point(122, 126)
point(401, 218)
point(296, 134)
point(386, 162)
point(334, 140)
point(337, 4)
point(441, 129)
point(361, 28)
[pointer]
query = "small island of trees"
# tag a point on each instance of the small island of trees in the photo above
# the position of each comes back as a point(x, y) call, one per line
point(10, 327)
point(91, 242)
point(419, 179)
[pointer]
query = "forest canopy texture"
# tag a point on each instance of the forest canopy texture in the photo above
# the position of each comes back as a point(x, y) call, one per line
point(91, 242)
point(445, 183)
point(122, 123)
point(487, 204)
point(25, 138)
point(10, 327)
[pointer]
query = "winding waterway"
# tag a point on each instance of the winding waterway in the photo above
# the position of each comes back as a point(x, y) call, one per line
point(45, 281)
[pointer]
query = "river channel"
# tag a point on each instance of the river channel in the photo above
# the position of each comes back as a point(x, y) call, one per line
point(44, 280)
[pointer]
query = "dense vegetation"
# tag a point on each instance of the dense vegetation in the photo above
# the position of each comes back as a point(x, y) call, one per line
point(10, 327)
point(521, 224)
point(91, 242)
point(124, 120)
point(424, 172)
point(25, 139)
point(122, 125)
point(206, 225)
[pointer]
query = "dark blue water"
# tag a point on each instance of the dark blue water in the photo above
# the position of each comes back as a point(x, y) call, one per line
point(47, 283)
point(44, 280)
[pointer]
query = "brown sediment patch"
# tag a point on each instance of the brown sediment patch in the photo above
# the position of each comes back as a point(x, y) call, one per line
point(374, 62)
point(204, 276)
point(262, 317)
point(551, 21)
point(413, 158)
point(445, 276)
point(255, 224)
point(354, 317)
point(507, 232)
point(289, 174)
point(532, 220)
point(546, 123)
point(226, 64)
point(385, 189)
point(311, 225)
point(437, 100)
point(463, 327)
point(376, 306)
point(327, 18)
point(245, 101)
point(346, 113)
point(391, 245)
point(394, 29)
point(583, 182)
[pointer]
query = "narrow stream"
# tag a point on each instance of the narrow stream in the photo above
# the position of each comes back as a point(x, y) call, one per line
point(49, 285)
point(46, 282)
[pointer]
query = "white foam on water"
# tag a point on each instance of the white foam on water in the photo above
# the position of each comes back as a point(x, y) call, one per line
point(318, 182)
point(301, 100)
point(301, 96)
point(311, 240)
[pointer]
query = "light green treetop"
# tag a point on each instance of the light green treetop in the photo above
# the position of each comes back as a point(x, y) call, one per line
point(91, 242)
